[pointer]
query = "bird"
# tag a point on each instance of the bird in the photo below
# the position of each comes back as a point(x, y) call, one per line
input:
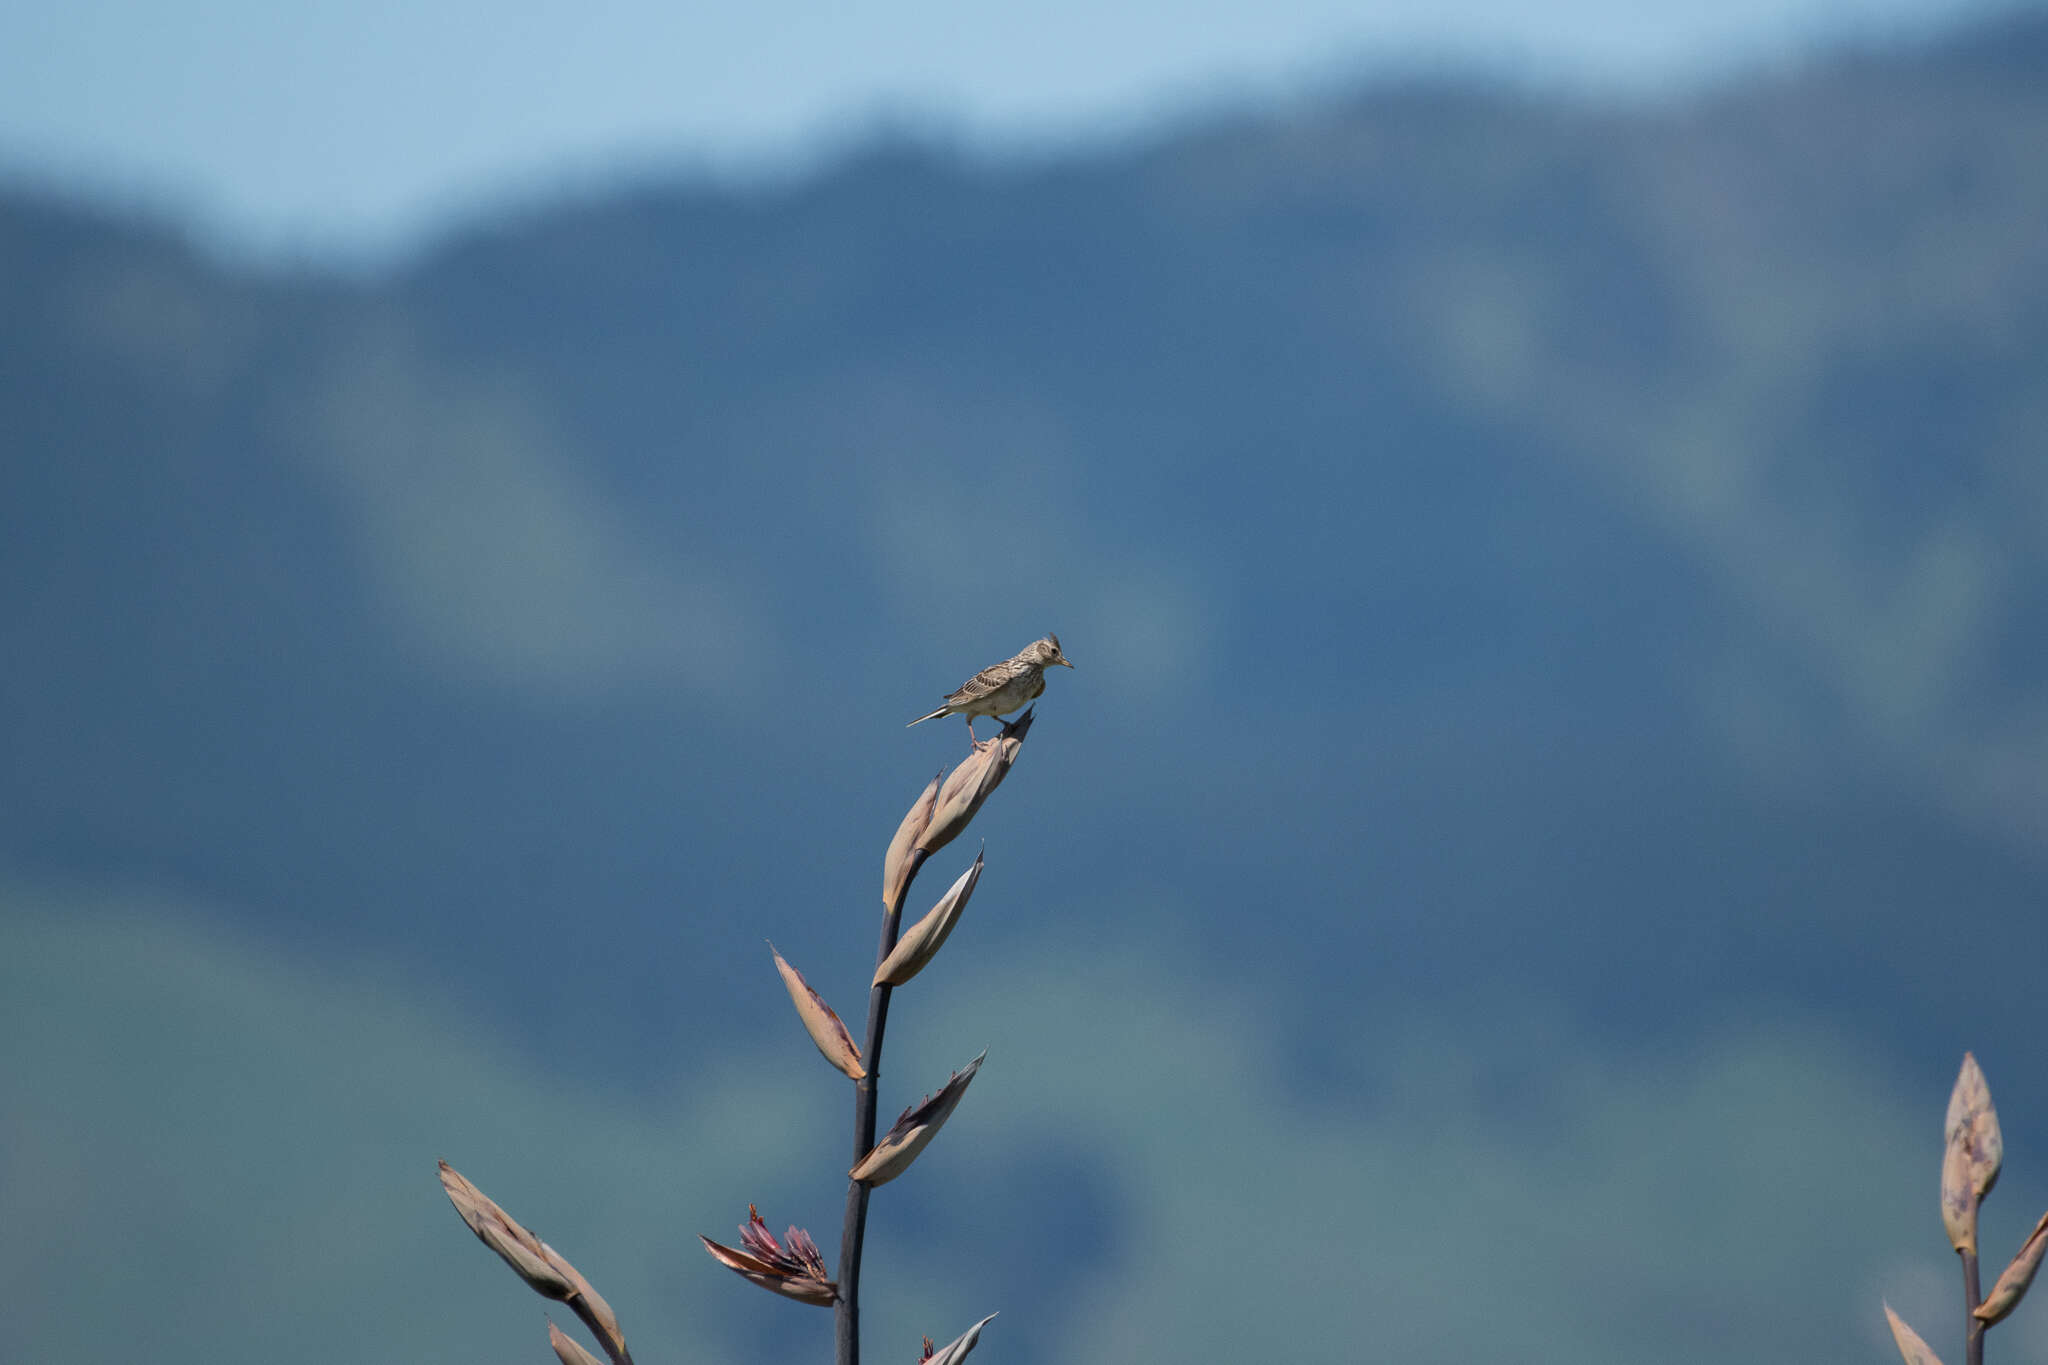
point(1001, 687)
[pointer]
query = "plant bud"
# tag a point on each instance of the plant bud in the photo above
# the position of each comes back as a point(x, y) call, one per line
point(956, 1350)
point(897, 867)
point(835, 1044)
point(796, 1271)
point(922, 940)
point(962, 794)
point(2012, 1285)
point(910, 1134)
point(1958, 1199)
point(546, 1271)
point(1973, 1121)
point(590, 1305)
point(1911, 1347)
point(567, 1349)
point(501, 1232)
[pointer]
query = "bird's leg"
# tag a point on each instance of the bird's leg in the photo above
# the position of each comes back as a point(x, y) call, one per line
point(973, 740)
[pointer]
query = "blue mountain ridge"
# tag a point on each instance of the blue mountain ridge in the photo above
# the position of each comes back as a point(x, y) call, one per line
point(1510, 545)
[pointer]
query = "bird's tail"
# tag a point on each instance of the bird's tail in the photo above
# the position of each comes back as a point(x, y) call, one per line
point(922, 719)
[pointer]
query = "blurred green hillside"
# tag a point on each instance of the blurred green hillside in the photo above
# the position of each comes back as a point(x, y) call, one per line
point(1520, 553)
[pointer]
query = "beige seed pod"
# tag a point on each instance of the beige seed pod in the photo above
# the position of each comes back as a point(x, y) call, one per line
point(567, 1349)
point(911, 1133)
point(955, 1351)
point(1974, 1122)
point(546, 1271)
point(962, 793)
point(590, 1305)
point(1958, 1199)
point(501, 1232)
point(922, 940)
point(897, 867)
point(835, 1044)
point(2012, 1285)
point(1916, 1351)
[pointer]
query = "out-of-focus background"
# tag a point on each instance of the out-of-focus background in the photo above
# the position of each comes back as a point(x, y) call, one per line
point(1550, 510)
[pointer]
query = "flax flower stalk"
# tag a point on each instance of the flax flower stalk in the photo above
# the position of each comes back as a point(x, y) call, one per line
point(936, 818)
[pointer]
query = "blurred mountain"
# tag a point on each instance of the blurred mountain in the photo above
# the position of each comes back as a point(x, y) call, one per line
point(1510, 544)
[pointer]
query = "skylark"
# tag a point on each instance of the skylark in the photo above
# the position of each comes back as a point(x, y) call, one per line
point(1002, 687)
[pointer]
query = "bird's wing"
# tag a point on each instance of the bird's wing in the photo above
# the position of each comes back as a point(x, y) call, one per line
point(990, 679)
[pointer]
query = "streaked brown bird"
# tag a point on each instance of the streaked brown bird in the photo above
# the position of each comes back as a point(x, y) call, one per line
point(1002, 687)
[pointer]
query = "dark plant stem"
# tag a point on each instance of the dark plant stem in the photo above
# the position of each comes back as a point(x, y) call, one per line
point(852, 1232)
point(581, 1307)
point(1973, 1328)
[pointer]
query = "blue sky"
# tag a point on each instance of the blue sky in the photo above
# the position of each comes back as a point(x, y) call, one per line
point(330, 129)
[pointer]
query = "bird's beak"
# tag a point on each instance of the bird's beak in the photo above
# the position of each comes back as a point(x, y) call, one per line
point(1065, 662)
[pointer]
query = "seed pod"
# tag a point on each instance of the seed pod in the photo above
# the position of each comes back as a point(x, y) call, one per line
point(2012, 1285)
point(897, 867)
point(501, 1232)
point(597, 1315)
point(546, 1271)
point(911, 1133)
point(962, 794)
point(567, 1349)
point(922, 940)
point(1958, 1199)
point(1916, 1351)
point(835, 1044)
point(1973, 1121)
point(955, 1350)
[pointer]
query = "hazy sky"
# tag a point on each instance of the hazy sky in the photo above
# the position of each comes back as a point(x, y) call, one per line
point(328, 126)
